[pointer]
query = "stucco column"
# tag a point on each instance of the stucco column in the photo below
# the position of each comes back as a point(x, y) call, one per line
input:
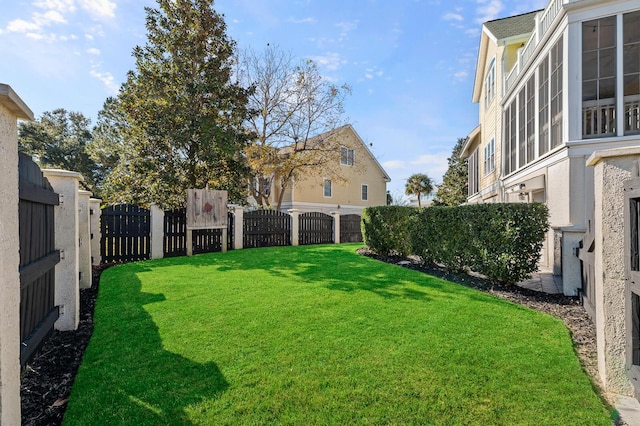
point(94, 225)
point(157, 232)
point(84, 239)
point(611, 169)
point(336, 227)
point(67, 294)
point(295, 226)
point(238, 226)
point(11, 109)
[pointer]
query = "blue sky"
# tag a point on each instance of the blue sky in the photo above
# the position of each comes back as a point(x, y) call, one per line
point(410, 63)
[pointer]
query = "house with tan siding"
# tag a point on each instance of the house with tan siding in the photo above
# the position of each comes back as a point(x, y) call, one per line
point(354, 179)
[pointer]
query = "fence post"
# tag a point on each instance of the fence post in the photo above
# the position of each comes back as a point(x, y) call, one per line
point(11, 109)
point(295, 226)
point(84, 239)
point(67, 294)
point(94, 226)
point(157, 231)
point(336, 227)
point(238, 225)
point(611, 168)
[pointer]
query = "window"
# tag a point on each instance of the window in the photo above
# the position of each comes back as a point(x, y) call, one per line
point(631, 70)
point(599, 77)
point(510, 138)
point(347, 156)
point(556, 94)
point(473, 173)
point(531, 119)
point(365, 192)
point(543, 100)
point(522, 129)
point(327, 188)
point(490, 83)
point(489, 157)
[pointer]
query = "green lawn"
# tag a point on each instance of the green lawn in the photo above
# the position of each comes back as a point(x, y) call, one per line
point(319, 335)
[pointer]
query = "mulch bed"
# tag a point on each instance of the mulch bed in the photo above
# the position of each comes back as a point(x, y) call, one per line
point(47, 379)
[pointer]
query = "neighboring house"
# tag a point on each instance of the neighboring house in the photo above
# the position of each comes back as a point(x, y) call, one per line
point(554, 86)
point(355, 181)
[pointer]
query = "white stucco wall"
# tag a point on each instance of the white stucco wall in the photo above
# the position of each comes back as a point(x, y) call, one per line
point(11, 108)
point(66, 214)
point(611, 169)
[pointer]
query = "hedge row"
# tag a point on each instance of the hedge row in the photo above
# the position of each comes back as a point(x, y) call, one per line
point(500, 241)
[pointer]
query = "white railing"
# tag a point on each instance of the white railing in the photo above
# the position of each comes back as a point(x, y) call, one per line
point(542, 25)
point(599, 118)
point(632, 114)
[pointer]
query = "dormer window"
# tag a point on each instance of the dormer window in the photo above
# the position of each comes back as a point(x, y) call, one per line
point(346, 156)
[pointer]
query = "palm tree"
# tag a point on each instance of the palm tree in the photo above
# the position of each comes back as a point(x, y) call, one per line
point(418, 184)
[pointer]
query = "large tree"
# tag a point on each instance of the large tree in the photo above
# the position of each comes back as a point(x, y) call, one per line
point(453, 189)
point(419, 184)
point(184, 113)
point(296, 112)
point(59, 139)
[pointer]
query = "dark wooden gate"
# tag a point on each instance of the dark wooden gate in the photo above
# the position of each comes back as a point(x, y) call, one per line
point(38, 257)
point(125, 233)
point(266, 228)
point(586, 253)
point(204, 240)
point(350, 230)
point(315, 228)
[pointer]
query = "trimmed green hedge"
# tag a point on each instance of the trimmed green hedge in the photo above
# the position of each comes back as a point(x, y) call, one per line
point(385, 229)
point(500, 241)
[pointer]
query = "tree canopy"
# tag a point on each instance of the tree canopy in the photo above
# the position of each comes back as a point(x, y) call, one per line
point(58, 140)
point(453, 189)
point(184, 115)
point(419, 184)
point(296, 112)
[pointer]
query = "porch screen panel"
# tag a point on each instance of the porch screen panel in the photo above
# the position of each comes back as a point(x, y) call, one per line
point(556, 94)
point(631, 66)
point(522, 133)
point(531, 117)
point(543, 100)
point(599, 77)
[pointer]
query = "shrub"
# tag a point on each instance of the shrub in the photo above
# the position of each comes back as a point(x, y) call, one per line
point(385, 229)
point(500, 241)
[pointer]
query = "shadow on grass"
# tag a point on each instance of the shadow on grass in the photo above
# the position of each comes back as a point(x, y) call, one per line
point(337, 267)
point(127, 376)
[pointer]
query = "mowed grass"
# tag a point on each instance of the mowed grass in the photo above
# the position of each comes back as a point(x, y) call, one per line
point(319, 335)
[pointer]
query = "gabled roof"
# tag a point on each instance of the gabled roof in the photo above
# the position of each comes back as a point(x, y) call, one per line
point(496, 31)
point(512, 26)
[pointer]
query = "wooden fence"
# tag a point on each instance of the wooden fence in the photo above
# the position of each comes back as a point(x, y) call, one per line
point(266, 228)
point(586, 253)
point(204, 240)
point(315, 228)
point(38, 257)
point(125, 233)
point(350, 230)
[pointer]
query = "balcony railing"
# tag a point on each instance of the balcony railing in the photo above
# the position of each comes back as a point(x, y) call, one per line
point(541, 27)
point(599, 117)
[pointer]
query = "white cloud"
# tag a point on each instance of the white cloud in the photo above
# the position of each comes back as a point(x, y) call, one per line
point(308, 20)
point(22, 26)
point(461, 75)
point(62, 6)
point(331, 61)
point(453, 17)
point(99, 9)
point(93, 51)
point(88, 36)
point(106, 78)
point(488, 10)
point(394, 165)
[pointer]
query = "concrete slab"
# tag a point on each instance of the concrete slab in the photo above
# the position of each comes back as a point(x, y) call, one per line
point(629, 410)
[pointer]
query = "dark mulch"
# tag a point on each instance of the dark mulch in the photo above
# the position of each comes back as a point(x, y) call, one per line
point(47, 379)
